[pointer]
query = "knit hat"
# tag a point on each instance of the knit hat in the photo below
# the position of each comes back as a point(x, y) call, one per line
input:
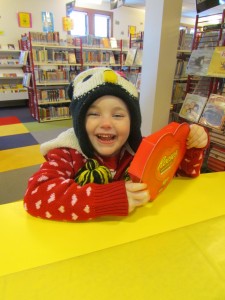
point(94, 83)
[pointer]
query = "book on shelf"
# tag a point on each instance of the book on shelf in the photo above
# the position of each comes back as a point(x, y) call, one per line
point(179, 91)
point(113, 42)
point(215, 165)
point(72, 58)
point(132, 77)
point(105, 43)
point(217, 64)
point(213, 114)
point(159, 156)
point(112, 60)
point(217, 138)
point(23, 58)
point(131, 53)
point(138, 82)
point(9, 75)
point(218, 153)
point(26, 79)
point(181, 66)
point(217, 134)
point(208, 39)
point(216, 158)
point(192, 107)
point(199, 62)
point(187, 41)
point(52, 38)
point(201, 85)
point(138, 57)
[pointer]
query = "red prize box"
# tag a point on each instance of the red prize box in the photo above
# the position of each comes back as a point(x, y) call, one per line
point(159, 156)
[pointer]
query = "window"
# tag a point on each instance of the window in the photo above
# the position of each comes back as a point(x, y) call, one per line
point(91, 21)
point(80, 22)
point(102, 25)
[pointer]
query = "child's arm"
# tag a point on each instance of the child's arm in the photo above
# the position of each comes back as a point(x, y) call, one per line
point(53, 194)
point(197, 142)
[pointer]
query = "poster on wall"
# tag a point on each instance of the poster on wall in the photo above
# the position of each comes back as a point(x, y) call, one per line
point(67, 23)
point(24, 19)
point(131, 30)
point(47, 21)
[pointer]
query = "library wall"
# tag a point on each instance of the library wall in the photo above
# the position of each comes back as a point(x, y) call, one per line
point(10, 32)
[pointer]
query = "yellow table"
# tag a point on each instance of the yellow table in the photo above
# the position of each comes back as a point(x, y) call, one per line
point(172, 249)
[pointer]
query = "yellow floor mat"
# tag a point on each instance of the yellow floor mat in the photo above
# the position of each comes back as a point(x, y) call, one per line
point(20, 158)
point(6, 130)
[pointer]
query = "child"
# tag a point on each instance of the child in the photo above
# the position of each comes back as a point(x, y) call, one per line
point(85, 172)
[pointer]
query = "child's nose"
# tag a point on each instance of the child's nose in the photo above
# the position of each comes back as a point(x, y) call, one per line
point(106, 122)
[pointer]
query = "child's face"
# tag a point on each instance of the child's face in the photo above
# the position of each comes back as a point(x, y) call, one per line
point(108, 125)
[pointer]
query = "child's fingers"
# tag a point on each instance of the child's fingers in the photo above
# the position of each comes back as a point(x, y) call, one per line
point(197, 137)
point(135, 187)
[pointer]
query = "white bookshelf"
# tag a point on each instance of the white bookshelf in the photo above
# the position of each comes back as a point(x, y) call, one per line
point(11, 76)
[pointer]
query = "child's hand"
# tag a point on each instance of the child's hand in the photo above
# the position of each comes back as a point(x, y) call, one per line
point(137, 194)
point(197, 137)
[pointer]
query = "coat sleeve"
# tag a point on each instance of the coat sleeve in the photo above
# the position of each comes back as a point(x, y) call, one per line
point(53, 194)
point(192, 162)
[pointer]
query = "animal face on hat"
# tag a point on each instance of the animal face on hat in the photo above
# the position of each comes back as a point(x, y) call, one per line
point(94, 83)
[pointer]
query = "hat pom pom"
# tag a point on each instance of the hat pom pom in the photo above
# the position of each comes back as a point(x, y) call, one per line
point(92, 172)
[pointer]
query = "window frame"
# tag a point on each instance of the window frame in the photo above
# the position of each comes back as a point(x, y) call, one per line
point(91, 18)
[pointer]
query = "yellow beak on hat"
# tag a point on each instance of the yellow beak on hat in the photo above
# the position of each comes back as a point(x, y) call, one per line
point(110, 76)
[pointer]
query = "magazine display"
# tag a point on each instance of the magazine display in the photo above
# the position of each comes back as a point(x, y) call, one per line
point(199, 62)
point(217, 64)
point(192, 107)
point(214, 112)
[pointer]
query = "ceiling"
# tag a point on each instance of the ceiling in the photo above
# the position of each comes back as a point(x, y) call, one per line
point(188, 7)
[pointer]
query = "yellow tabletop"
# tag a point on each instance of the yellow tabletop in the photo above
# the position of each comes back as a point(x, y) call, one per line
point(171, 249)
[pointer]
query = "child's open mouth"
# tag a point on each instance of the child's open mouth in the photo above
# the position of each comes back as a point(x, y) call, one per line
point(106, 137)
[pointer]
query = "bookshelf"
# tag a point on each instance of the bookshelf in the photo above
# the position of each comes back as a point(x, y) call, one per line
point(205, 85)
point(11, 76)
point(49, 71)
point(133, 62)
point(53, 63)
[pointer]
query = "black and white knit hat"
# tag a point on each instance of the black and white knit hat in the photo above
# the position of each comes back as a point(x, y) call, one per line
point(94, 83)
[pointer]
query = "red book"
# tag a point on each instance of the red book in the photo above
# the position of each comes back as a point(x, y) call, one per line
point(159, 156)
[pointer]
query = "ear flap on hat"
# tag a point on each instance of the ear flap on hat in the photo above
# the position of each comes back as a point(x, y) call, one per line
point(70, 91)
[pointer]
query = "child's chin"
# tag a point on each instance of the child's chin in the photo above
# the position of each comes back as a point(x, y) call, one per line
point(107, 153)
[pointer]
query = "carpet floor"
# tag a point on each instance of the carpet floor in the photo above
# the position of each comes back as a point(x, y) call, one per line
point(20, 157)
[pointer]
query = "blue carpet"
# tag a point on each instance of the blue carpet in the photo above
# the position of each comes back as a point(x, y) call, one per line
point(22, 113)
point(16, 141)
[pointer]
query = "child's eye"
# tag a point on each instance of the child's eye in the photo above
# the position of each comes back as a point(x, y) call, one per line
point(118, 116)
point(91, 113)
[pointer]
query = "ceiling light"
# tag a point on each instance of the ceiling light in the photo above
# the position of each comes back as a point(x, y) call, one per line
point(95, 2)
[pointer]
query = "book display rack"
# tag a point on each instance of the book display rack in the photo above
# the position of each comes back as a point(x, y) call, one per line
point(11, 75)
point(52, 64)
point(180, 76)
point(204, 101)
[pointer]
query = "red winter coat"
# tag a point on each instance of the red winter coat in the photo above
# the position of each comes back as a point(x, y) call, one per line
point(53, 194)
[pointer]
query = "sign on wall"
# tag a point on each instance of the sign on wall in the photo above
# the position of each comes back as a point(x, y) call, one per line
point(24, 19)
point(47, 21)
